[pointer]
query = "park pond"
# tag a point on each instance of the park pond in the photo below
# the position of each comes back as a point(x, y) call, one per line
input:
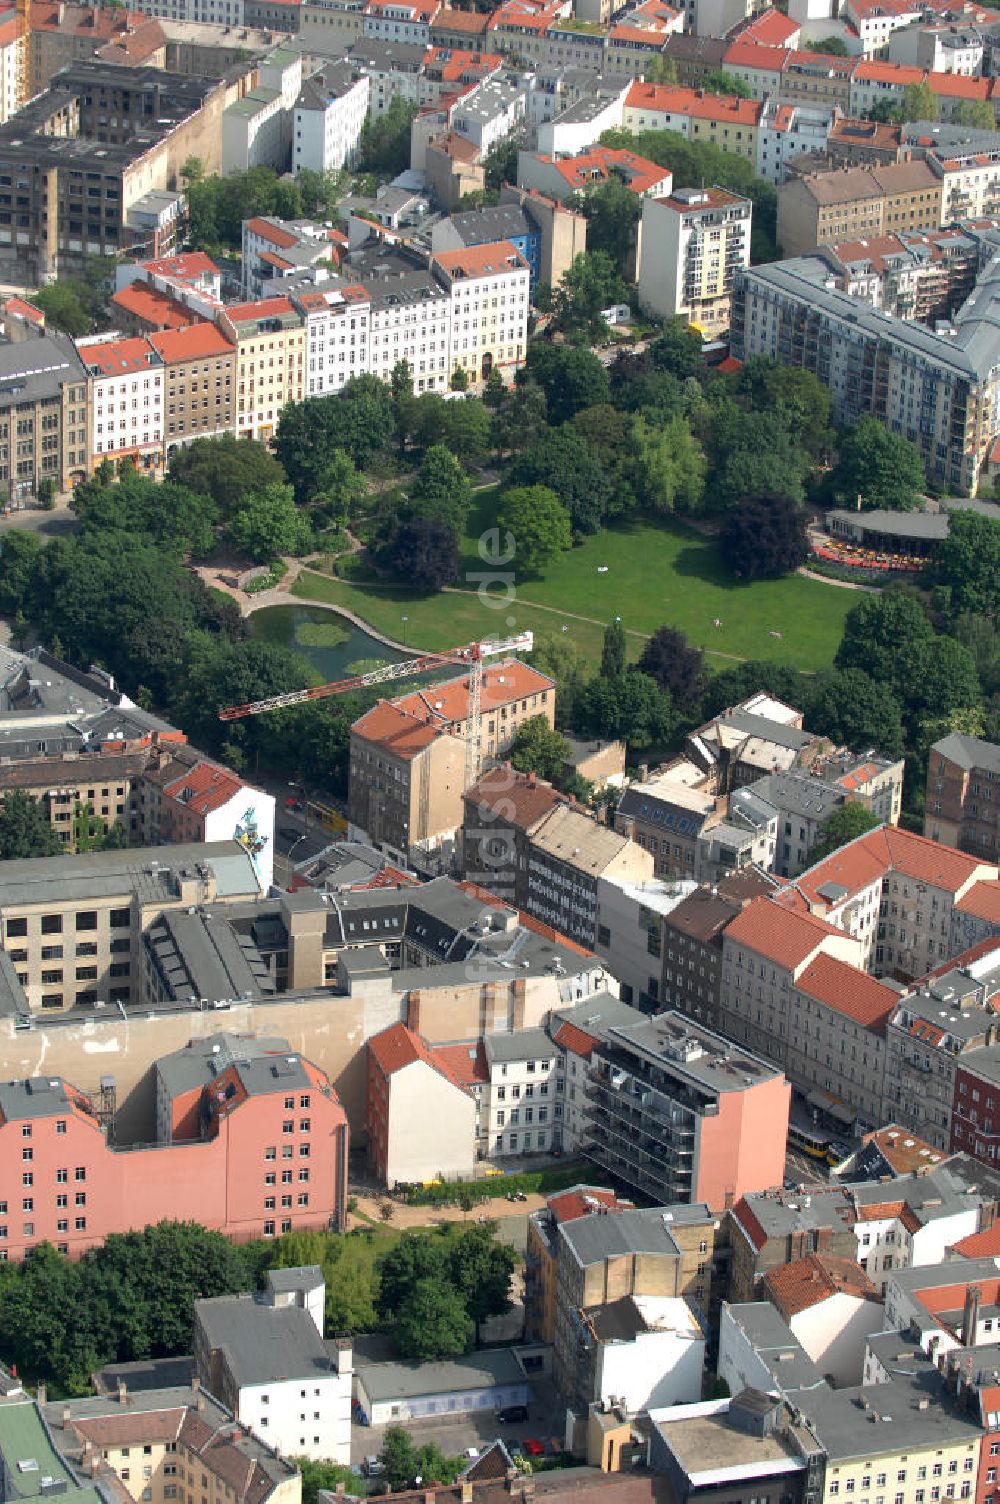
point(334, 646)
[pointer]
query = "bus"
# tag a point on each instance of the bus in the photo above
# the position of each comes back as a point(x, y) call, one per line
point(811, 1141)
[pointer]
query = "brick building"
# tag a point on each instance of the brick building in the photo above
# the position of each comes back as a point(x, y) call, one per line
point(962, 805)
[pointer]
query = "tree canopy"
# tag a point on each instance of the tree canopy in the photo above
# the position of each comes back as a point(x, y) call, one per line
point(967, 565)
point(24, 828)
point(676, 666)
point(539, 524)
point(537, 748)
point(846, 823)
point(225, 468)
point(881, 467)
point(764, 537)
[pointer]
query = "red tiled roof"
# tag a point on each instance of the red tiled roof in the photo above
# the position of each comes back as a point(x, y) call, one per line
point(448, 703)
point(849, 990)
point(771, 29)
point(266, 231)
point(117, 357)
point(805, 1282)
point(395, 729)
point(471, 21)
point(869, 858)
point(601, 162)
point(263, 308)
point(983, 901)
point(781, 934)
point(980, 1245)
point(189, 264)
point(957, 86)
point(520, 798)
point(746, 1219)
point(873, 71)
point(24, 310)
point(493, 259)
point(752, 55)
point(569, 1037)
point(196, 342)
point(579, 1201)
point(464, 1063)
point(153, 307)
point(204, 788)
point(665, 99)
point(397, 1047)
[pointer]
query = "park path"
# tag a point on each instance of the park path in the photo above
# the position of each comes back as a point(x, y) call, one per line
point(810, 574)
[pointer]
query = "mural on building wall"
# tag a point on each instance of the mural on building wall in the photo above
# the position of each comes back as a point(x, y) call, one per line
point(250, 838)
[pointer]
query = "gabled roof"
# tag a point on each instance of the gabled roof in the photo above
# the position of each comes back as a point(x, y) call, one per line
point(763, 927)
point(448, 703)
point(397, 1047)
point(153, 306)
point(399, 732)
point(197, 342)
point(848, 990)
point(806, 1282)
point(204, 788)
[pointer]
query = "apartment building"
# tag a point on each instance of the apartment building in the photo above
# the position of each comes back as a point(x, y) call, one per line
point(962, 804)
point(75, 182)
point(683, 1115)
point(907, 1224)
point(218, 1177)
point(566, 855)
point(615, 1271)
point(180, 1432)
point(422, 1119)
point(330, 113)
point(558, 178)
point(199, 380)
point(126, 401)
point(15, 88)
point(939, 391)
point(71, 924)
point(489, 288)
point(727, 122)
point(44, 417)
point(544, 1246)
point(690, 940)
point(857, 203)
point(406, 779)
point(270, 343)
point(337, 324)
point(60, 34)
point(897, 894)
point(409, 319)
point(702, 236)
point(921, 275)
point(265, 1357)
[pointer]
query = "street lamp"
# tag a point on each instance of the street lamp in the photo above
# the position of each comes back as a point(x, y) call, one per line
point(405, 620)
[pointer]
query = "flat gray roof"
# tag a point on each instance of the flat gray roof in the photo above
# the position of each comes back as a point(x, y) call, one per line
point(108, 874)
point(495, 1368)
point(262, 1342)
point(526, 1044)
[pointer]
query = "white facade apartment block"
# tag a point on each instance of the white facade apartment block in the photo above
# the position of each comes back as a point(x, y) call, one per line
point(521, 1110)
point(127, 406)
point(488, 286)
point(253, 133)
point(211, 12)
point(337, 337)
point(971, 185)
point(785, 132)
point(326, 133)
point(411, 324)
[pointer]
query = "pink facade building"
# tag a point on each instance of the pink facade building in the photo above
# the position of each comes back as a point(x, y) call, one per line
point(251, 1140)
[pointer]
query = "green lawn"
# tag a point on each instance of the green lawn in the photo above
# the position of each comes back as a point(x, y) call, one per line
point(655, 574)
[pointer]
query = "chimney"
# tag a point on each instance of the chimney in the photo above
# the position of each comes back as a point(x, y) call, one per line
point(970, 1316)
point(466, 1491)
point(122, 1392)
point(195, 1384)
point(65, 1416)
point(41, 1394)
point(430, 1494)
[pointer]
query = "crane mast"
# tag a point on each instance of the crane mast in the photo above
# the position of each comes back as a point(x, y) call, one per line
point(471, 656)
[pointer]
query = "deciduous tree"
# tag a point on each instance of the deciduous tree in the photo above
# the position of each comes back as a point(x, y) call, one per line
point(764, 537)
point(881, 467)
point(539, 524)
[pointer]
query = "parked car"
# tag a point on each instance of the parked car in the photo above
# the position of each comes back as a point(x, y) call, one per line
point(513, 1415)
point(533, 1447)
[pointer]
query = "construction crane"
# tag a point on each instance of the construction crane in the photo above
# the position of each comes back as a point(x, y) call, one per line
point(471, 657)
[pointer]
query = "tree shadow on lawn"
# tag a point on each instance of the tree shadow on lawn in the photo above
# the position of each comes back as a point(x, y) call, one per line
point(704, 563)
